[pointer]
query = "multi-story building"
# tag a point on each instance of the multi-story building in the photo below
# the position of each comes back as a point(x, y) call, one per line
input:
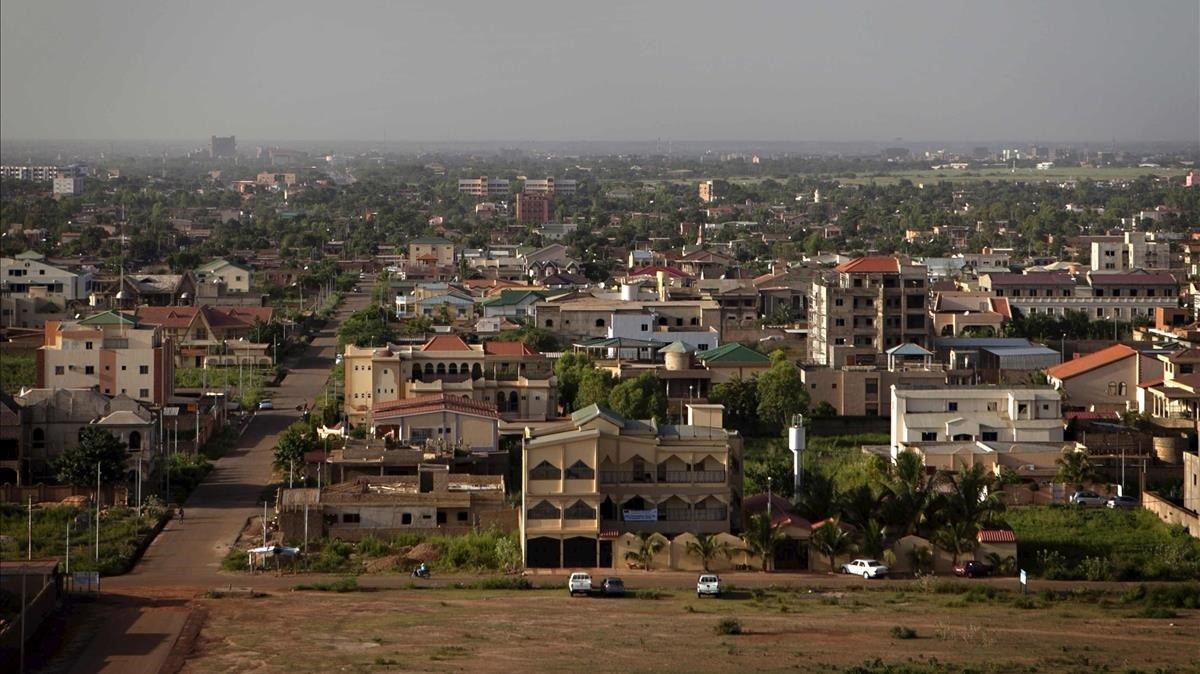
point(549, 186)
point(67, 184)
point(222, 147)
point(38, 174)
point(27, 275)
point(710, 190)
point(957, 312)
point(110, 352)
point(517, 381)
point(433, 251)
point(581, 319)
point(535, 207)
point(1106, 380)
point(865, 307)
point(483, 186)
point(269, 179)
point(976, 413)
point(588, 481)
point(202, 335)
point(863, 390)
point(1135, 250)
point(1103, 296)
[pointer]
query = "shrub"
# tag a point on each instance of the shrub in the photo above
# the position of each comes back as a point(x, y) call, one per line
point(1024, 602)
point(504, 583)
point(728, 626)
point(1157, 612)
point(373, 547)
point(901, 632)
point(347, 584)
point(236, 560)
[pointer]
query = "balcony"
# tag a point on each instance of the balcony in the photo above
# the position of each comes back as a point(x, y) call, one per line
point(664, 477)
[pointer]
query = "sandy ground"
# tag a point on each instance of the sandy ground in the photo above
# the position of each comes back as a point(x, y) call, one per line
point(438, 630)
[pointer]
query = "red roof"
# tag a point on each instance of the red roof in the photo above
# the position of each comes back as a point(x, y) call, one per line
point(446, 343)
point(434, 403)
point(508, 349)
point(1092, 361)
point(654, 269)
point(871, 265)
point(996, 536)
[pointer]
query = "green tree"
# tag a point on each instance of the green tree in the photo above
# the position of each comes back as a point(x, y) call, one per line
point(538, 339)
point(639, 398)
point(365, 327)
point(781, 392)
point(1074, 468)
point(955, 537)
point(648, 545)
point(831, 540)
point(740, 398)
point(909, 493)
point(293, 442)
point(76, 466)
point(873, 539)
point(823, 410)
point(595, 385)
point(569, 370)
point(762, 537)
point(776, 464)
point(708, 547)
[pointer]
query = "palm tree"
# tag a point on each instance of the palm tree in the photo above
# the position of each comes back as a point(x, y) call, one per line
point(648, 546)
point(873, 536)
point(762, 538)
point(971, 498)
point(955, 537)
point(1075, 468)
point(910, 492)
point(831, 540)
point(707, 547)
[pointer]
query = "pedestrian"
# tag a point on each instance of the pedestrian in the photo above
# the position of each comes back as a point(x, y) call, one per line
point(180, 512)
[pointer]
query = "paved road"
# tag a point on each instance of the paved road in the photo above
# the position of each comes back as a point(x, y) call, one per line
point(144, 611)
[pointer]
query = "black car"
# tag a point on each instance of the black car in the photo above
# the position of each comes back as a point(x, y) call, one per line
point(972, 569)
point(613, 587)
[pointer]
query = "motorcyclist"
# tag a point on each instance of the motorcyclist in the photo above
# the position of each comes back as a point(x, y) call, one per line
point(422, 571)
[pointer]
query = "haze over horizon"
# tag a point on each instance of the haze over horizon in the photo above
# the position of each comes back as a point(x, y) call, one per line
point(540, 71)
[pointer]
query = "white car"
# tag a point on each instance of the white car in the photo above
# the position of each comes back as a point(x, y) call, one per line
point(579, 583)
point(709, 584)
point(266, 405)
point(1089, 499)
point(867, 568)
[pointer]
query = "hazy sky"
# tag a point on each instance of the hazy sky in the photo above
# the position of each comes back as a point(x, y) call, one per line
point(601, 70)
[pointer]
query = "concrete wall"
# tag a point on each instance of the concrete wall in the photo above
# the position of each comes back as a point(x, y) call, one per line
point(1171, 513)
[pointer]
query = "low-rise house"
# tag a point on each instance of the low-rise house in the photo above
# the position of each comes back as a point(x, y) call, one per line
point(235, 277)
point(1104, 381)
point(434, 501)
point(201, 333)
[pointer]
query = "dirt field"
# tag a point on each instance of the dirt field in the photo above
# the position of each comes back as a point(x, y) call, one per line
point(436, 630)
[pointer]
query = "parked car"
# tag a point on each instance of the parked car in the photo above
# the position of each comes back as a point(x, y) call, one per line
point(709, 584)
point(579, 583)
point(1088, 499)
point(1122, 502)
point(867, 568)
point(972, 569)
point(266, 405)
point(613, 587)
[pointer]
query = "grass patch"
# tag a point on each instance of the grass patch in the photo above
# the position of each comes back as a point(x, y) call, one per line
point(236, 560)
point(17, 370)
point(1069, 543)
point(122, 530)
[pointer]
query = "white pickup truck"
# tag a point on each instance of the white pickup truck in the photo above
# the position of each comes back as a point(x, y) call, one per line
point(579, 583)
point(709, 584)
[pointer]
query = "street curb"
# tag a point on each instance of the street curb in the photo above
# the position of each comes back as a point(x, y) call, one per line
point(185, 641)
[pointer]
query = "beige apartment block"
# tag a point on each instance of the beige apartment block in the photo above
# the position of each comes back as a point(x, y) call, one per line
point(587, 482)
point(110, 352)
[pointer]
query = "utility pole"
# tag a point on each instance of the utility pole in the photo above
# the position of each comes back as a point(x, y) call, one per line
point(29, 532)
point(68, 555)
point(97, 512)
point(264, 523)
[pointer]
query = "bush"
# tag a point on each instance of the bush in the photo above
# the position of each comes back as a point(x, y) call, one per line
point(373, 547)
point(728, 626)
point(334, 557)
point(236, 560)
point(901, 632)
point(1157, 612)
point(347, 584)
point(1025, 603)
point(504, 583)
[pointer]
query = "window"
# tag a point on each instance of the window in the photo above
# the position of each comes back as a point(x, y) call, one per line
point(545, 471)
point(88, 369)
point(461, 516)
point(1112, 388)
point(406, 518)
point(990, 436)
point(993, 406)
point(928, 436)
point(580, 471)
point(143, 369)
point(544, 510)
point(580, 511)
point(39, 438)
point(58, 369)
point(952, 406)
point(143, 393)
point(599, 322)
point(872, 386)
point(350, 518)
point(441, 517)
point(87, 345)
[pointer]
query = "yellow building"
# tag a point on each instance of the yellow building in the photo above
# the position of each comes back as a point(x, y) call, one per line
point(588, 481)
point(516, 380)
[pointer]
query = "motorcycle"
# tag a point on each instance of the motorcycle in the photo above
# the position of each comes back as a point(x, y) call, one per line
point(421, 572)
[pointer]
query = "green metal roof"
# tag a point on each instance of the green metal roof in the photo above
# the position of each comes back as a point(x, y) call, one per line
point(581, 417)
point(510, 297)
point(733, 352)
point(109, 317)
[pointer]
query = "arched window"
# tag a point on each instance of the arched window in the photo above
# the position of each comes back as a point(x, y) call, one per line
point(599, 322)
point(441, 368)
point(476, 371)
point(545, 471)
point(464, 368)
point(513, 403)
point(580, 511)
point(135, 441)
point(1121, 389)
point(544, 510)
point(580, 471)
point(453, 368)
point(1112, 388)
point(500, 407)
point(428, 368)
point(416, 372)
